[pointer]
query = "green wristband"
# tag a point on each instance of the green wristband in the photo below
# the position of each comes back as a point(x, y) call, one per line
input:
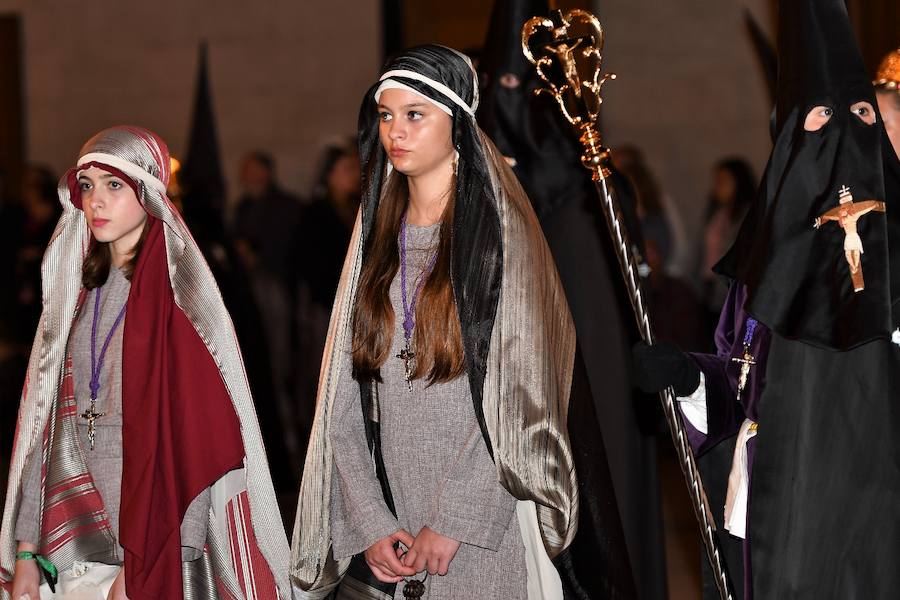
point(51, 574)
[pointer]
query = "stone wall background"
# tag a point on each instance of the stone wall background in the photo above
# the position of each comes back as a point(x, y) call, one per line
point(286, 75)
point(690, 91)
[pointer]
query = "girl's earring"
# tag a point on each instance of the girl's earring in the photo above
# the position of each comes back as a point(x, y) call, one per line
point(454, 164)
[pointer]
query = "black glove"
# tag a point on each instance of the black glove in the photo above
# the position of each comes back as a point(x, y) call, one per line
point(662, 365)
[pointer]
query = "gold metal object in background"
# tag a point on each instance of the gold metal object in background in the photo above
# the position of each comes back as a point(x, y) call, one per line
point(888, 75)
point(566, 49)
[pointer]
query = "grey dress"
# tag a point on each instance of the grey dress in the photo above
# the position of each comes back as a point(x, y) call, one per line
point(438, 466)
point(105, 461)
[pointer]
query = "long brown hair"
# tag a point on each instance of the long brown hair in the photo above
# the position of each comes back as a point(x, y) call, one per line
point(97, 262)
point(437, 336)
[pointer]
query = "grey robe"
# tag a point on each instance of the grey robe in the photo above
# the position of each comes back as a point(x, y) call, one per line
point(438, 466)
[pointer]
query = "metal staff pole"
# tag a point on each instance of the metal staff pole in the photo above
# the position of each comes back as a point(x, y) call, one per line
point(566, 50)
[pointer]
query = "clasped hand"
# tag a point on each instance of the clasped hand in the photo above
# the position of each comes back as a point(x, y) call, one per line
point(428, 551)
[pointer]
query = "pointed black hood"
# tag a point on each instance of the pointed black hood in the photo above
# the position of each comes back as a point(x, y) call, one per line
point(765, 52)
point(819, 60)
point(201, 177)
point(797, 275)
point(502, 51)
point(527, 129)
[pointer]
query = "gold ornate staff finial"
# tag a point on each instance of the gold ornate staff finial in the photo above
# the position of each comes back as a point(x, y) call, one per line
point(566, 51)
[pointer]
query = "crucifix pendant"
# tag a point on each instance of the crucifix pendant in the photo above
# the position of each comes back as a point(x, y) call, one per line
point(746, 361)
point(91, 415)
point(406, 355)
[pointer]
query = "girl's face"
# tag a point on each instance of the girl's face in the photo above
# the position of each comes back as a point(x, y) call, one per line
point(414, 132)
point(113, 212)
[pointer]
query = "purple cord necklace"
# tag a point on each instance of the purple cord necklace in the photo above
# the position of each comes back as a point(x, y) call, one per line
point(409, 306)
point(91, 415)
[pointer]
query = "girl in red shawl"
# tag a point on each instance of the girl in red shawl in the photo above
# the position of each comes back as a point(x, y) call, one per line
point(138, 470)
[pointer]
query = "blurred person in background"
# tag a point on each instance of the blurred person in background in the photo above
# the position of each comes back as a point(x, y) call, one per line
point(265, 224)
point(323, 237)
point(265, 220)
point(197, 188)
point(677, 315)
point(327, 222)
point(27, 224)
point(660, 220)
point(733, 191)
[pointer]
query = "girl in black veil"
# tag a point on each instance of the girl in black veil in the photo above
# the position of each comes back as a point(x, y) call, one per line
point(451, 367)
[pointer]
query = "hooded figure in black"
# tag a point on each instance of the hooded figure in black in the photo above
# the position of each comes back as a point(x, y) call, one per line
point(523, 378)
point(545, 156)
point(797, 413)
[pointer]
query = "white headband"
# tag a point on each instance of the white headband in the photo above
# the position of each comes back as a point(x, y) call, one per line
point(129, 168)
point(393, 84)
point(436, 85)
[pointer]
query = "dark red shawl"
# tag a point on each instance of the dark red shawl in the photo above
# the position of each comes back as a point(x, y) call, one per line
point(180, 432)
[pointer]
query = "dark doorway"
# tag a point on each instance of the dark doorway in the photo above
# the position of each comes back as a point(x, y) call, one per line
point(12, 146)
point(12, 139)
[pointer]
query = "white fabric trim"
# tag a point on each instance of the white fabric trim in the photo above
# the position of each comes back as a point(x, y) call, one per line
point(739, 484)
point(129, 168)
point(543, 581)
point(895, 337)
point(221, 492)
point(436, 85)
point(393, 84)
point(694, 407)
point(476, 95)
point(84, 581)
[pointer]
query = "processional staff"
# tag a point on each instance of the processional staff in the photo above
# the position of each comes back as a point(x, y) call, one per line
point(566, 51)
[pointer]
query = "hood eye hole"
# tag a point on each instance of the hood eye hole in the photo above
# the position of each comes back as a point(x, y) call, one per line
point(817, 118)
point(864, 112)
point(510, 81)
